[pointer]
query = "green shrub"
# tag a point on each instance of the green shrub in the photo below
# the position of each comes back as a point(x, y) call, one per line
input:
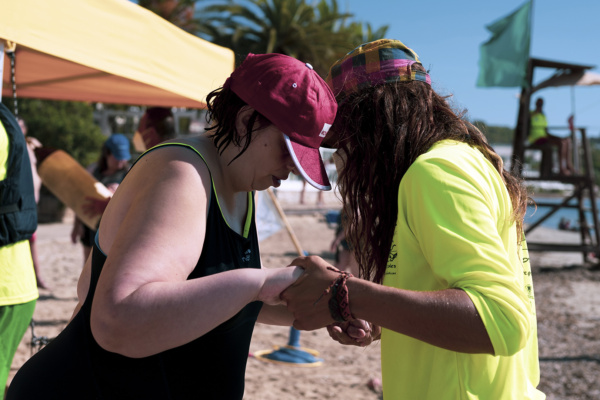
point(65, 125)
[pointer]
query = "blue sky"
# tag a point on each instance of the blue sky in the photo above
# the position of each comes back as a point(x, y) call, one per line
point(447, 34)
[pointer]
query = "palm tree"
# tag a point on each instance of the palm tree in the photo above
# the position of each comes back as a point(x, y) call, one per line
point(317, 33)
point(178, 12)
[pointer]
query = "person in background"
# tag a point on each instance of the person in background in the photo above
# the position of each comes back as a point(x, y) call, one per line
point(156, 125)
point(538, 135)
point(32, 144)
point(303, 191)
point(18, 221)
point(436, 224)
point(110, 170)
point(170, 296)
point(344, 257)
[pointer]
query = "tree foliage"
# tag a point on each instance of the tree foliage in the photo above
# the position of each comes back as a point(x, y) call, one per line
point(316, 32)
point(496, 134)
point(64, 125)
point(179, 12)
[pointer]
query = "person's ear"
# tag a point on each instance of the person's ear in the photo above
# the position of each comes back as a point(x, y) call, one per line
point(242, 119)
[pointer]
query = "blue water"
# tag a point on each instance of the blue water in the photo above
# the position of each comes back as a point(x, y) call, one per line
point(571, 214)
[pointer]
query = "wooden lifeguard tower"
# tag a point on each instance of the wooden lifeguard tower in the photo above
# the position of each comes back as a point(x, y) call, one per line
point(582, 182)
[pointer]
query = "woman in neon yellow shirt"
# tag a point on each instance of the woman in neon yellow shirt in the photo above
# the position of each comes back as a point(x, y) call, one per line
point(437, 224)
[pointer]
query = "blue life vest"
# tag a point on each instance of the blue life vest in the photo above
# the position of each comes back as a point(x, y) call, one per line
point(18, 210)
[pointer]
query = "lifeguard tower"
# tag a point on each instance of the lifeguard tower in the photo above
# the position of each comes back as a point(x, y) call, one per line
point(582, 196)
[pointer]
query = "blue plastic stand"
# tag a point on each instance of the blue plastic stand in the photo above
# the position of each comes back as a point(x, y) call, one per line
point(291, 354)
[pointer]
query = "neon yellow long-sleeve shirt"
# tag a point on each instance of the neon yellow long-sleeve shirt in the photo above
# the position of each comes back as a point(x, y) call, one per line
point(454, 230)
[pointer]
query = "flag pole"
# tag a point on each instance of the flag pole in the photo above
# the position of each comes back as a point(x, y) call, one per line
point(530, 23)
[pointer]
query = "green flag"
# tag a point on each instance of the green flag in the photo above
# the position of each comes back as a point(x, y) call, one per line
point(503, 58)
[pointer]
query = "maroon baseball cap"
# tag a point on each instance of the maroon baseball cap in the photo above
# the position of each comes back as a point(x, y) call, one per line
point(291, 95)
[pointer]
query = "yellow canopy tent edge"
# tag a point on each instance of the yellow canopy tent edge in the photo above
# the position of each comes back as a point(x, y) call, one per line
point(111, 51)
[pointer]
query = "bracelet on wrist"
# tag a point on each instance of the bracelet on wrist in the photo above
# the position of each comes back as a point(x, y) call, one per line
point(339, 302)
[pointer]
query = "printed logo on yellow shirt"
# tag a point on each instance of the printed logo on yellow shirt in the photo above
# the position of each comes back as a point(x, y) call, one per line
point(391, 267)
point(527, 278)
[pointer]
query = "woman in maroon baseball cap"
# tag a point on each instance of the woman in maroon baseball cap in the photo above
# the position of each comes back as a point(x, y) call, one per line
point(174, 286)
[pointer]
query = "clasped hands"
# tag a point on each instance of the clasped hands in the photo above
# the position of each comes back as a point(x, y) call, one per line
point(306, 299)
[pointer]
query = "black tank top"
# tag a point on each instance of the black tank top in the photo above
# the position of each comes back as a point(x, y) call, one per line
point(74, 366)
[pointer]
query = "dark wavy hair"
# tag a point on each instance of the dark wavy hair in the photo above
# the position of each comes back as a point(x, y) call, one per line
point(161, 118)
point(102, 163)
point(223, 107)
point(384, 129)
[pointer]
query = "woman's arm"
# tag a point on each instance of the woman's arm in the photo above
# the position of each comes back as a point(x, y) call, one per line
point(76, 230)
point(445, 318)
point(152, 231)
point(276, 314)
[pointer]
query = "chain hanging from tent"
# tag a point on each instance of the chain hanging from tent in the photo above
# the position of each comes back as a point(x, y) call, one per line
point(11, 54)
point(37, 342)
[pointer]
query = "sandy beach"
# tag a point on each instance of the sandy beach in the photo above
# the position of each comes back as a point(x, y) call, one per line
point(567, 298)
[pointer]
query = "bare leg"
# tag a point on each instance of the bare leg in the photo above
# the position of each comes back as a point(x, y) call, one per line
point(352, 265)
point(568, 157)
point(36, 264)
point(347, 262)
point(302, 191)
point(320, 201)
point(562, 150)
point(564, 154)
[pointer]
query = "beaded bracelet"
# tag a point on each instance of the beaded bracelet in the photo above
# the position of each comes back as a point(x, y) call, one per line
point(339, 303)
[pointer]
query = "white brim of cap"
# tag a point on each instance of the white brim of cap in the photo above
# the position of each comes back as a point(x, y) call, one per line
point(314, 156)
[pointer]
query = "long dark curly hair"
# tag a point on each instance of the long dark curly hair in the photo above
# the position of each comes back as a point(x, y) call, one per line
point(384, 129)
point(223, 107)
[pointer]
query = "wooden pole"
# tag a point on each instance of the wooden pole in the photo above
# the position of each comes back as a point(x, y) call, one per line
point(288, 227)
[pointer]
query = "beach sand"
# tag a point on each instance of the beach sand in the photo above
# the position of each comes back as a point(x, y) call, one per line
point(567, 298)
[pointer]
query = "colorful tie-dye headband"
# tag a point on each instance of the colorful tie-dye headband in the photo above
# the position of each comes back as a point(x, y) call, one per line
point(371, 64)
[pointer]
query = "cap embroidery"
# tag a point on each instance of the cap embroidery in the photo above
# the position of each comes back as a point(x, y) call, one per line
point(325, 130)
